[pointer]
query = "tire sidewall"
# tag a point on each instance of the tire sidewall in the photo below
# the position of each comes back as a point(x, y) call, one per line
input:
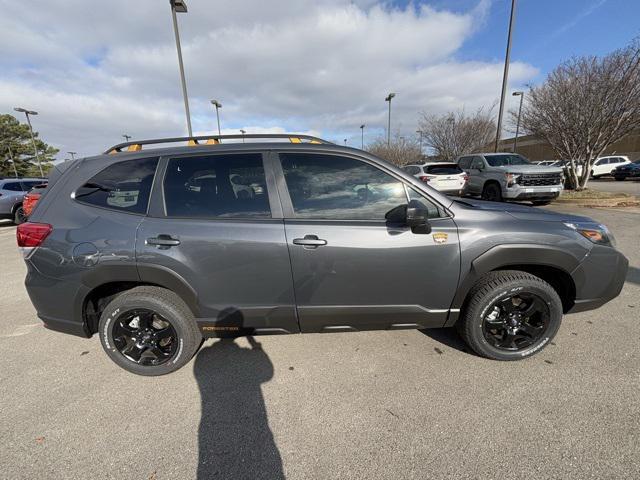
point(124, 303)
point(555, 319)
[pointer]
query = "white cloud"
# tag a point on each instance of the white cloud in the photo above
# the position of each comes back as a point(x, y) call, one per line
point(96, 70)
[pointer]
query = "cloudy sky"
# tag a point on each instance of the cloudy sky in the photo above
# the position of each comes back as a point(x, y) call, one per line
point(95, 70)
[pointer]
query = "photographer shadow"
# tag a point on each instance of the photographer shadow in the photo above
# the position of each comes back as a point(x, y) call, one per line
point(234, 437)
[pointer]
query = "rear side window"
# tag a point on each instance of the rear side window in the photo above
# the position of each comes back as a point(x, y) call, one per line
point(217, 186)
point(123, 186)
point(465, 162)
point(336, 187)
point(444, 169)
point(12, 187)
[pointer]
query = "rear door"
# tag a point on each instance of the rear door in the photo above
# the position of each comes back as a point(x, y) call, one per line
point(352, 270)
point(215, 227)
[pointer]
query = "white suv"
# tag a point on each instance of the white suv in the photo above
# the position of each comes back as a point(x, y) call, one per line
point(606, 165)
point(446, 177)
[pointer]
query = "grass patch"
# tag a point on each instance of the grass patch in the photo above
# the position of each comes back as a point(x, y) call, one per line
point(591, 195)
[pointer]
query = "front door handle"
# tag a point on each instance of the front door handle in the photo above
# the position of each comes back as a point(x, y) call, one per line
point(310, 241)
point(163, 241)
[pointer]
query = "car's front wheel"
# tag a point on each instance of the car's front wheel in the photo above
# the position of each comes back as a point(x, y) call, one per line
point(149, 331)
point(510, 315)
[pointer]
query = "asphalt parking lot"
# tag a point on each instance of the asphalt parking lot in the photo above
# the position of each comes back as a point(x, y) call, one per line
point(390, 405)
point(609, 184)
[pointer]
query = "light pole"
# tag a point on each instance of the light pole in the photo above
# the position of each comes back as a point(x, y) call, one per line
point(242, 132)
point(33, 140)
point(388, 99)
point(73, 155)
point(505, 75)
point(126, 137)
point(419, 132)
point(218, 105)
point(362, 136)
point(179, 6)
point(11, 159)
point(515, 140)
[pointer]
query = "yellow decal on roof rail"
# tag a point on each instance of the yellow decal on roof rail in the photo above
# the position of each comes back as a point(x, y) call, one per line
point(295, 140)
point(213, 141)
point(192, 142)
point(136, 147)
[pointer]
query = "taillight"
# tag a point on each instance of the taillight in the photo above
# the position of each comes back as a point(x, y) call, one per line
point(32, 234)
point(424, 178)
point(465, 177)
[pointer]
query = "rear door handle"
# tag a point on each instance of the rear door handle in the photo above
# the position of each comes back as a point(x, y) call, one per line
point(310, 241)
point(163, 241)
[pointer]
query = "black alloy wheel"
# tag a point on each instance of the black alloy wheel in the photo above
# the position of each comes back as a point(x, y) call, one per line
point(145, 337)
point(492, 193)
point(516, 322)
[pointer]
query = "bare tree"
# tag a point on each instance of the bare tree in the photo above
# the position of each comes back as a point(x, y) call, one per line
point(585, 105)
point(400, 151)
point(455, 133)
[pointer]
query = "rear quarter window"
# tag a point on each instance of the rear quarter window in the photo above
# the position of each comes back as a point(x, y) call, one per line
point(123, 186)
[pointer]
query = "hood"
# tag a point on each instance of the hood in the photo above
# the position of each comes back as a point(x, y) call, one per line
point(530, 169)
point(523, 212)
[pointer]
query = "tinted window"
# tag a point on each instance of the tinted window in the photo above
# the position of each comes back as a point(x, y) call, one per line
point(28, 185)
point(477, 163)
point(602, 161)
point(13, 187)
point(122, 186)
point(334, 187)
point(223, 186)
point(443, 169)
point(505, 160)
point(465, 162)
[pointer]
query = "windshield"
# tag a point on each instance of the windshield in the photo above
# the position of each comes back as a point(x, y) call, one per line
point(505, 160)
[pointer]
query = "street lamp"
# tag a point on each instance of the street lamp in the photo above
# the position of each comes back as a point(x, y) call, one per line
point(505, 75)
point(73, 155)
point(218, 105)
point(33, 140)
point(515, 140)
point(126, 137)
point(179, 6)
point(362, 135)
point(419, 132)
point(242, 132)
point(388, 99)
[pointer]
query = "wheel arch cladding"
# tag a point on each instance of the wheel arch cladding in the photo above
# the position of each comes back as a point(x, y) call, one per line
point(547, 262)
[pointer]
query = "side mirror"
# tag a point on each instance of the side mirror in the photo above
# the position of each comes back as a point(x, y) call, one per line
point(418, 217)
point(414, 215)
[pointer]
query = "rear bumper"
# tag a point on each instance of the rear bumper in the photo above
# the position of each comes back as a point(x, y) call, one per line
point(599, 278)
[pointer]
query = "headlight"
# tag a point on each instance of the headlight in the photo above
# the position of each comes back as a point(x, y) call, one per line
point(596, 232)
point(512, 178)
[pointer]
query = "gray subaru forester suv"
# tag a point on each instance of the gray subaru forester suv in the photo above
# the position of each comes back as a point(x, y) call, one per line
point(156, 249)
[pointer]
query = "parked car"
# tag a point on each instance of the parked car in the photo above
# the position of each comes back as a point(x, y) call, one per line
point(12, 192)
point(629, 170)
point(446, 177)
point(606, 165)
point(509, 176)
point(31, 198)
point(338, 241)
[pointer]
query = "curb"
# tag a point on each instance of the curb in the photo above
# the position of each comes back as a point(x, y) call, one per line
point(626, 201)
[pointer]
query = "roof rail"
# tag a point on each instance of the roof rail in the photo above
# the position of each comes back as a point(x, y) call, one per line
point(136, 145)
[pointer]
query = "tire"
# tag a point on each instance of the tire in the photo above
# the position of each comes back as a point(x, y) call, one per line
point(492, 192)
point(19, 215)
point(620, 179)
point(540, 203)
point(178, 343)
point(496, 288)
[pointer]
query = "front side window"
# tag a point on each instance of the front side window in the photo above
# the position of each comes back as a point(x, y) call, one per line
point(123, 186)
point(217, 186)
point(335, 187)
point(506, 160)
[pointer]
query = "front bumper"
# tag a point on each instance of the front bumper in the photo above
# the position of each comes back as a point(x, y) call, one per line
point(599, 278)
point(518, 192)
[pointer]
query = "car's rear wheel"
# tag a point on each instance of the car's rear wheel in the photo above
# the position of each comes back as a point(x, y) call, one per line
point(149, 331)
point(510, 315)
point(492, 192)
point(620, 179)
point(19, 216)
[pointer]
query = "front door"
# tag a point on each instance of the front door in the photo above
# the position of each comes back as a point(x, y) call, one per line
point(212, 232)
point(352, 270)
